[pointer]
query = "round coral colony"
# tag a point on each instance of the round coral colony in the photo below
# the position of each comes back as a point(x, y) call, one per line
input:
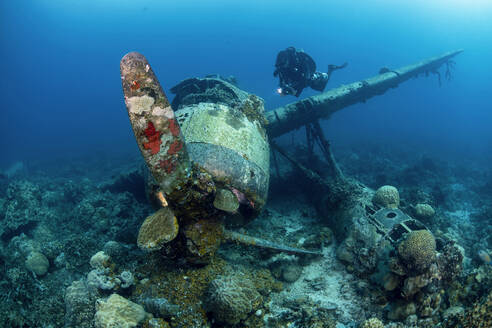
point(158, 229)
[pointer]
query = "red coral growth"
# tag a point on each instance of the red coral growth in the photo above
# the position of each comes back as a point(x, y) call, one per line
point(175, 147)
point(150, 130)
point(168, 165)
point(135, 86)
point(154, 138)
point(173, 127)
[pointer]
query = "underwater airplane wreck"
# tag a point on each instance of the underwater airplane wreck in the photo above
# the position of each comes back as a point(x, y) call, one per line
point(208, 154)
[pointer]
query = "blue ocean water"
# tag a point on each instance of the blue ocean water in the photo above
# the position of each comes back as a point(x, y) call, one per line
point(394, 228)
point(61, 92)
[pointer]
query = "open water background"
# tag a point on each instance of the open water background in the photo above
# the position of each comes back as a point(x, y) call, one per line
point(60, 86)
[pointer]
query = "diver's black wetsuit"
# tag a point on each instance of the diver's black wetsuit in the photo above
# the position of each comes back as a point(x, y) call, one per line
point(296, 70)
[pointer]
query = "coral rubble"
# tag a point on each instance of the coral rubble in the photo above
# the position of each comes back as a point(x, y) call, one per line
point(68, 244)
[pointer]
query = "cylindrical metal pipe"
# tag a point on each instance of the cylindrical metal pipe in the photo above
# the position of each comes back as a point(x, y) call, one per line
point(297, 114)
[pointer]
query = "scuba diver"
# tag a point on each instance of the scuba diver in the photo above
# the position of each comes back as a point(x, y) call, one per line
point(296, 70)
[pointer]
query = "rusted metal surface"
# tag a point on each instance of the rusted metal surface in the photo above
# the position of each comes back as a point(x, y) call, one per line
point(263, 243)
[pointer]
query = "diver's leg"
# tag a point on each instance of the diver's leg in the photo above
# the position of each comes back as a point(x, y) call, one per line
point(319, 80)
point(332, 68)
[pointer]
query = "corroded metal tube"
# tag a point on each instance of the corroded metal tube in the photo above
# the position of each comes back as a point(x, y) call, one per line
point(263, 243)
point(300, 113)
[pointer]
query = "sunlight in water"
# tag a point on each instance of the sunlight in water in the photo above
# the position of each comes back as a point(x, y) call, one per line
point(455, 5)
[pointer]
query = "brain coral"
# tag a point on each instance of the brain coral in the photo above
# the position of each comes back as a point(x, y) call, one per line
point(418, 251)
point(231, 298)
point(424, 211)
point(387, 196)
point(157, 230)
